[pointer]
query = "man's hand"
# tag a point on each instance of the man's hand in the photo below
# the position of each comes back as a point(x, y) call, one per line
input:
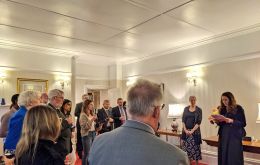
point(110, 120)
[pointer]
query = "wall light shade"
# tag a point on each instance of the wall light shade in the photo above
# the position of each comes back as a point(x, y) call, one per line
point(63, 82)
point(2, 77)
point(175, 111)
point(193, 77)
point(130, 81)
point(258, 117)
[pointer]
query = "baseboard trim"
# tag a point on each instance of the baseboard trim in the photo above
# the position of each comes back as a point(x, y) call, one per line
point(215, 155)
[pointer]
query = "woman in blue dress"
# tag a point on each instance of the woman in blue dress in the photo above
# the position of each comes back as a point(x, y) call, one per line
point(191, 136)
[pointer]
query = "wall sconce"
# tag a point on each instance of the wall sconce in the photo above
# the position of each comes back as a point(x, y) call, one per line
point(193, 77)
point(130, 81)
point(175, 111)
point(63, 82)
point(258, 117)
point(2, 77)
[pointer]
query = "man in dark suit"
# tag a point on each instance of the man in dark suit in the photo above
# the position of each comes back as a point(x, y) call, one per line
point(77, 112)
point(104, 117)
point(135, 142)
point(119, 113)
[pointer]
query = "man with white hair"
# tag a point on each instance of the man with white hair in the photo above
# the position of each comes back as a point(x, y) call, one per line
point(26, 101)
point(56, 98)
point(135, 142)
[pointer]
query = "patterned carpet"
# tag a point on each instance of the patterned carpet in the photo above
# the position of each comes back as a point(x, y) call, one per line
point(78, 161)
point(194, 163)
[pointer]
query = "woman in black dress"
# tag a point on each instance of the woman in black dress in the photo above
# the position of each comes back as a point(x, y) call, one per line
point(231, 131)
point(191, 136)
point(66, 110)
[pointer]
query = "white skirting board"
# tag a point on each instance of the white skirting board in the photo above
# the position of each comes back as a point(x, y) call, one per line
point(210, 157)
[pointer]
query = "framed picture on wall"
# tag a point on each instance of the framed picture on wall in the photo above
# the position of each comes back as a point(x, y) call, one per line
point(25, 84)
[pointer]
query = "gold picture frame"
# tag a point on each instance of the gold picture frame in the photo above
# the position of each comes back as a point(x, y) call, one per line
point(24, 84)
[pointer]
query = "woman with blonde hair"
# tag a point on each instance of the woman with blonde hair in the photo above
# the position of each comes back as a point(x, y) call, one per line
point(87, 122)
point(191, 135)
point(41, 127)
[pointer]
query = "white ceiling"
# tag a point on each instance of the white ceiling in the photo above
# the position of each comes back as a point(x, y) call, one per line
point(121, 30)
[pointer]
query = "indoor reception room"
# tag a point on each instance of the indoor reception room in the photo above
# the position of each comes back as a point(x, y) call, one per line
point(130, 82)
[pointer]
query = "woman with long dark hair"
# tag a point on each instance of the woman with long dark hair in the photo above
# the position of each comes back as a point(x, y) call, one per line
point(87, 122)
point(66, 110)
point(231, 123)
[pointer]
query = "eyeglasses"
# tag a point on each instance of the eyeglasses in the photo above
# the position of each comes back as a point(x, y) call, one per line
point(160, 106)
point(60, 97)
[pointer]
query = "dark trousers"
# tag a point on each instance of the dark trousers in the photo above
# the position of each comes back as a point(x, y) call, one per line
point(79, 147)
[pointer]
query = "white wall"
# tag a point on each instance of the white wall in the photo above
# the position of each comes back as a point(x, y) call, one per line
point(91, 71)
point(241, 78)
point(32, 61)
point(212, 51)
point(9, 87)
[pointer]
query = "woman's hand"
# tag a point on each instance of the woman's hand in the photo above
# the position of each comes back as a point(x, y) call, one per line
point(187, 132)
point(212, 120)
point(94, 117)
point(191, 132)
point(69, 120)
point(228, 120)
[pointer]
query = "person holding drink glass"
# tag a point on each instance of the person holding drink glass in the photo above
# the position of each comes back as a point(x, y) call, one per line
point(119, 114)
point(87, 122)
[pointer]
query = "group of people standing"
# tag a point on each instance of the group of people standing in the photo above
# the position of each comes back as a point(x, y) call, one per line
point(231, 130)
point(25, 141)
point(40, 133)
point(91, 122)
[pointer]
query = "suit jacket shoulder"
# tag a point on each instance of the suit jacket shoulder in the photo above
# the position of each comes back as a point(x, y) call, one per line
point(78, 109)
point(142, 147)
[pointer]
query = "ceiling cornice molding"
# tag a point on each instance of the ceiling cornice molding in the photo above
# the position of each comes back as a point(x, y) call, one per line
point(47, 50)
point(206, 64)
point(33, 70)
point(81, 77)
point(36, 48)
point(205, 41)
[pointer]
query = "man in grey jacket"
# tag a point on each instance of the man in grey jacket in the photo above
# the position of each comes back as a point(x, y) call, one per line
point(135, 143)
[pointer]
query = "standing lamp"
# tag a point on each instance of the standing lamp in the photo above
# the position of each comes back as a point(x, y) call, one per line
point(175, 112)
